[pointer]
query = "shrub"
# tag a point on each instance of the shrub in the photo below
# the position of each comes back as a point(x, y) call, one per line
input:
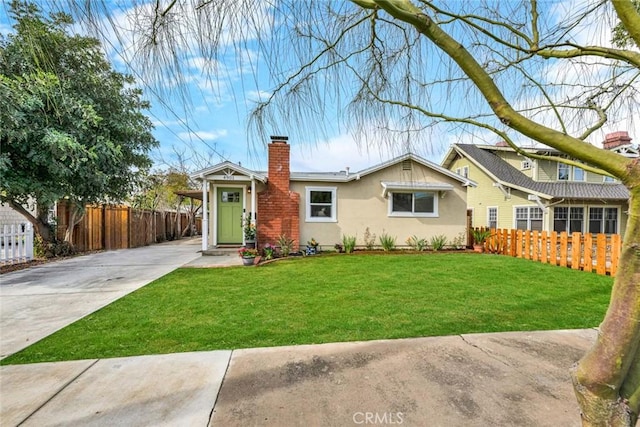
point(460, 241)
point(349, 243)
point(58, 248)
point(286, 245)
point(417, 244)
point(438, 242)
point(387, 242)
point(39, 247)
point(369, 239)
point(267, 251)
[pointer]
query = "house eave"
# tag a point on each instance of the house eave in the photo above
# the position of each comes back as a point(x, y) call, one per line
point(203, 173)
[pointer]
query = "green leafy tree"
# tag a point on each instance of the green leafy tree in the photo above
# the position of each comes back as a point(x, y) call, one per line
point(71, 127)
point(157, 191)
point(414, 70)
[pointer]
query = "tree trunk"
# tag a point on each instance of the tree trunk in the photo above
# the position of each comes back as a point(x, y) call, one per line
point(607, 378)
point(40, 223)
point(75, 216)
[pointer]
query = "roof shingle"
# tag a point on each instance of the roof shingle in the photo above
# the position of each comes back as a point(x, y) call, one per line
point(510, 176)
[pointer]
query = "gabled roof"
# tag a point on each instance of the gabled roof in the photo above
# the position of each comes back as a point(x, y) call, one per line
point(331, 176)
point(346, 177)
point(225, 166)
point(505, 174)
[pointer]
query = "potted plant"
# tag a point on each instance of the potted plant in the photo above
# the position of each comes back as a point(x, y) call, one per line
point(312, 247)
point(479, 237)
point(249, 229)
point(248, 255)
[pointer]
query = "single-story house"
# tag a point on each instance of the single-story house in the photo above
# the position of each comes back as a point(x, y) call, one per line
point(403, 197)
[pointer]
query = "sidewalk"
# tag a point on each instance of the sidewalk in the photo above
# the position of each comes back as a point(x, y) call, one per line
point(499, 379)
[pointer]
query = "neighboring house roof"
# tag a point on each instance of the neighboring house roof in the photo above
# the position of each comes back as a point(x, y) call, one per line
point(505, 174)
point(342, 176)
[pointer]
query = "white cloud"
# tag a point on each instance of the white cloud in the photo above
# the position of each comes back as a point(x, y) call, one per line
point(257, 95)
point(204, 135)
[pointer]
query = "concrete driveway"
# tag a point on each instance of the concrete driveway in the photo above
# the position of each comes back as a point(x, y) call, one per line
point(40, 300)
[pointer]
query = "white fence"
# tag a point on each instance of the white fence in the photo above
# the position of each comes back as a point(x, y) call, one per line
point(16, 243)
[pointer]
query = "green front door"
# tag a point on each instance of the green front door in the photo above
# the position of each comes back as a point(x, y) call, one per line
point(229, 216)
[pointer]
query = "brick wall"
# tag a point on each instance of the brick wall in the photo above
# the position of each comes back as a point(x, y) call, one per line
point(278, 206)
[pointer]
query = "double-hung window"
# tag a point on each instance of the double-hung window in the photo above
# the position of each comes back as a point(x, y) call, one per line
point(321, 204)
point(418, 203)
point(529, 218)
point(569, 219)
point(603, 220)
point(570, 173)
point(463, 171)
point(564, 172)
point(492, 217)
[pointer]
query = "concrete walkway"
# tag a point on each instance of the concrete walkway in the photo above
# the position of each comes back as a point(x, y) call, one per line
point(40, 300)
point(502, 379)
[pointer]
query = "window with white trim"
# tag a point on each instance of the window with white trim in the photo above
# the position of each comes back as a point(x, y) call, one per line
point(417, 203)
point(492, 217)
point(564, 172)
point(321, 204)
point(607, 178)
point(463, 171)
point(569, 219)
point(529, 218)
point(571, 173)
point(526, 164)
point(603, 220)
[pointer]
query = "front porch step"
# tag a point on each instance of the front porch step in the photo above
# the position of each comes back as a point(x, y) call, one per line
point(221, 251)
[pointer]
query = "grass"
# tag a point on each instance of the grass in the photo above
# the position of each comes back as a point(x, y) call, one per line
point(330, 299)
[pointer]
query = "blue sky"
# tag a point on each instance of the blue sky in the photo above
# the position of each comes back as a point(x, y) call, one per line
point(212, 125)
point(213, 121)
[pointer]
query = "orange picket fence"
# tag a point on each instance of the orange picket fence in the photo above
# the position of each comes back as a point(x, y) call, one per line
point(599, 253)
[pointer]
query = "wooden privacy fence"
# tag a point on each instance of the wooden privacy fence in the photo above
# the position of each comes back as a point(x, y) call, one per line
point(16, 243)
point(598, 253)
point(119, 227)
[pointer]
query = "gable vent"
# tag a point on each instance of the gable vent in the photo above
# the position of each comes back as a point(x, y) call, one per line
point(406, 165)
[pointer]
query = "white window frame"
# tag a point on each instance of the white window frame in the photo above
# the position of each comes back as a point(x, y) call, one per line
point(570, 217)
point(528, 207)
point(463, 171)
point(603, 207)
point(563, 165)
point(526, 164)
point(334, 205)
point(573, 174)
point(489, 208)
point(412, 214)
point(608, 179)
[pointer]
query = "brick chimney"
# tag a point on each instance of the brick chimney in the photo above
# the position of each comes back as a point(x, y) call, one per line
point(278, 206)
point(616, 139)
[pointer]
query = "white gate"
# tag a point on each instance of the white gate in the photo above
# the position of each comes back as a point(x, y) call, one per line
point(16, 243)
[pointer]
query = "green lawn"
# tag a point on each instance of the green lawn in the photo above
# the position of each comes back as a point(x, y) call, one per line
point(329, 299)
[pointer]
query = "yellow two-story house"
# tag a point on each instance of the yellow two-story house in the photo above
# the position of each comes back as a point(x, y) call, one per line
point(515, 191)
